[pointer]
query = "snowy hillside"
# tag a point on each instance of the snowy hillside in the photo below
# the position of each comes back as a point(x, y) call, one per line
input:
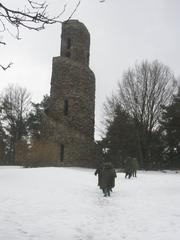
point(66, 204)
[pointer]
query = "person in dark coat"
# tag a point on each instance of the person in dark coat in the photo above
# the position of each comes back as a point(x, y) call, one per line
point(128, 168)
point(99, 173)
point(131, 166)
point(134, 167)
point(113, 179)
point(107, 178)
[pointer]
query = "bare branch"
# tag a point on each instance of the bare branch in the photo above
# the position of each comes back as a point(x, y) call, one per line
point(3, 25)
point(8, 66)
point(74, 10)
point(33, 18)
point(3, 43)
point(36, 5)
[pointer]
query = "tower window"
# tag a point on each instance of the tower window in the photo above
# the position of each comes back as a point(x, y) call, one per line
point(66, 106)
point(68, 43)
point(62, 153)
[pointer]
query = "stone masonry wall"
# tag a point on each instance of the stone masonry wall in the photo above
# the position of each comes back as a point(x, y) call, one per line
point(76, 83)
point(72, 99)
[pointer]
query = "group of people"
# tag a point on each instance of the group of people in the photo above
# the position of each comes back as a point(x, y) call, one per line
point(130, 167)
point(107, 174)
point(106, 178)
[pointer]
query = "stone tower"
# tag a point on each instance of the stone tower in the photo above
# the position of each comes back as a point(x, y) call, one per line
point(72, 98)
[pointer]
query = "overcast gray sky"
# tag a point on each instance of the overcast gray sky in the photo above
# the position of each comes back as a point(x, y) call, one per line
point(123, 32)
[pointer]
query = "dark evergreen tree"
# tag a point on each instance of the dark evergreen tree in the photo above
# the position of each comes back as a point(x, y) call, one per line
point(121, 138)
point(156, 151)
point(36, 118)
point(171, 132)
point(15, 104)
point(2, 145)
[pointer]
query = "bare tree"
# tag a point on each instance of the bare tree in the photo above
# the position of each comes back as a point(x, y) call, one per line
point(34, 16)
point(142, 92)
point(2, 144)
point(109, 110)
point(15, 105)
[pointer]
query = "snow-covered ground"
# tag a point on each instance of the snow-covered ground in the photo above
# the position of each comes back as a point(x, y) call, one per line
point(66, 204)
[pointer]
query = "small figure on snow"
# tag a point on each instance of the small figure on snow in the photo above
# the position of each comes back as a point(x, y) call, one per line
point(130, 168)
point(108, 176)
point(134, 167)
point(99, 173)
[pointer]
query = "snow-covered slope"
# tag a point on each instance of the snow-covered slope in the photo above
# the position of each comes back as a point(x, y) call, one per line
point(66, 204)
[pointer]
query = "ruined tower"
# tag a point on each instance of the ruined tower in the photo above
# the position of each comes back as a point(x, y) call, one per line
point(72, 97)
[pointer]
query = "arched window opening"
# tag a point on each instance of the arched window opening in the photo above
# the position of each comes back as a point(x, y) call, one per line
point(62, 153)
point(68, 43)
point(66, 107)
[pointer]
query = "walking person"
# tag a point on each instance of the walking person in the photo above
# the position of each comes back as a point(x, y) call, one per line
point(99, 173)
point(107, 178)
point(128, 168)
point(135, 167)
